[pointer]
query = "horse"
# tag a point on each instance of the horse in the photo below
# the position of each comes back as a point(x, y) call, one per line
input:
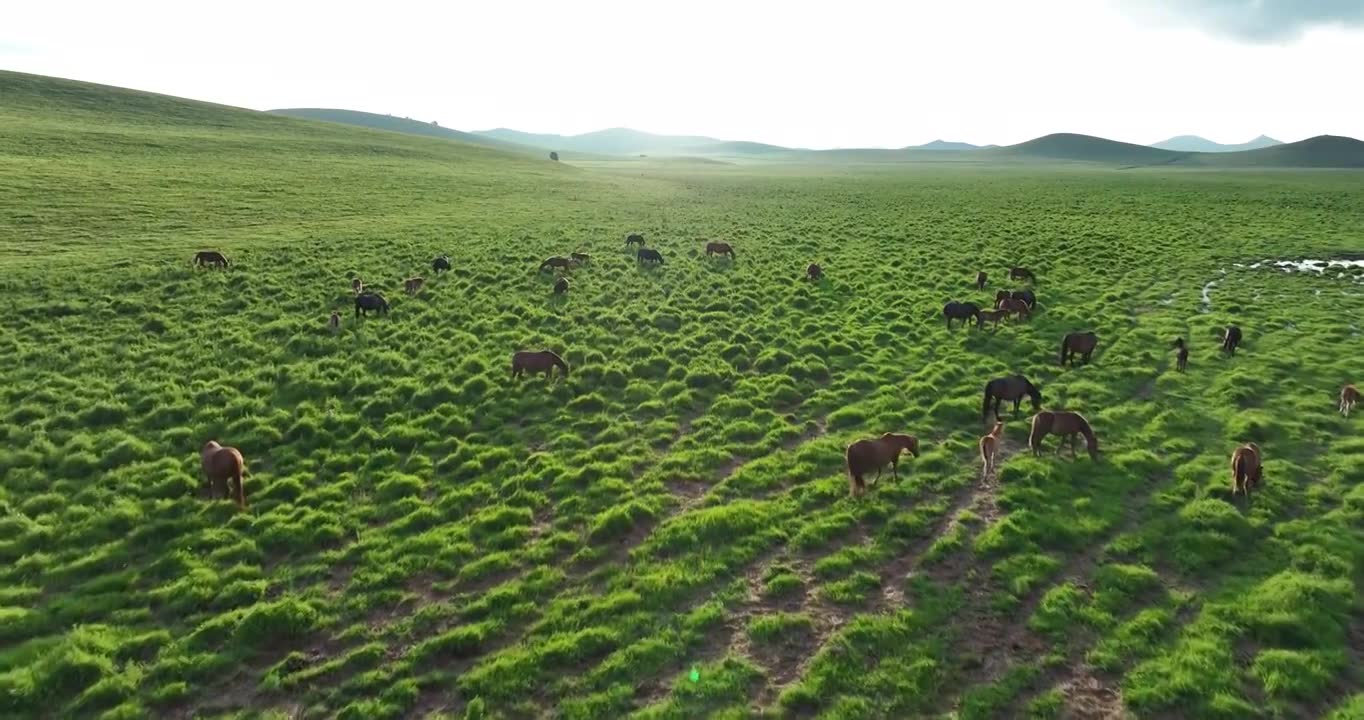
point(649, 255)
point(989, 446)
point(1022, 273)
point(960, 311)
point(719, 248)
point(980, 280)
point(1246, 470)
point(1349, 395)
point(370, 301)
point(1067, 425)
point(558, 261)
point(334, 322)
point(440, 264)
point(864, 455)
point(210, 257)
point(635, 239)
point(1231, 339)
point(1182, 356)
point(1081, 344)
point(814, 272)
point(543, 361)
point(1013, 387)
point(413, 285)
point(578, 257)
point(357, 286)
point(1015, 307)
point(221, 464)
point(561, 286)
point(993, 316)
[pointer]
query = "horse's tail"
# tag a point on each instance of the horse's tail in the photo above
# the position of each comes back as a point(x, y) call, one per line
point(1064, 341)
point(985, 405)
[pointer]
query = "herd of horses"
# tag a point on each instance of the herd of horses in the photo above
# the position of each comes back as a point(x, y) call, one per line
point(224, 467)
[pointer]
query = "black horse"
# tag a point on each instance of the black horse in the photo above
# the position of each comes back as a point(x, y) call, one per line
point(634, 239)
point(440, 264)
point(370, 301)
point(1012, 388)
point(1231, 339)
point(561, 286)
point(649, 255)
point(960, 311)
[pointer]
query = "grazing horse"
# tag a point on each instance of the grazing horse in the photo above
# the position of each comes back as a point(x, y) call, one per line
point(558, 261)
point(1026, 296)
point(1231, 339)
point(440, 264)
point(865, 455)
point(561, 287)
point(1182, 356)
point(220, 465)
point(1081, 344)
point(357, 286)
point(370, 301)
point(814, 272)
point(1067, 425)
point(210, 257)
point(960, 311)
point(719, 248)
point(1017, 308)
point(413, 285)
point(1246, 470)
point(980, 280)
point(649, 255)
point(534, 362)
point(1349, 395)
point(1022, 273)
point(635, 239)
point(989, 447)
point(578, 257)
point(1013, 387)
point(993, 316)
point(334, 322)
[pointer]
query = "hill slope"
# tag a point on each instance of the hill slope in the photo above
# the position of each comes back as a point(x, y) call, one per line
point(396, 124)
point(1194, 143)
point(1323, 151)
point(1087, 148)
point(625, 141)
point(944, 145)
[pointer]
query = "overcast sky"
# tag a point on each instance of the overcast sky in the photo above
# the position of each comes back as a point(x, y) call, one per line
point(851, 73)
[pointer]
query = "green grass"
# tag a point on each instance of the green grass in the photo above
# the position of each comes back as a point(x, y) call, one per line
point(426, 536)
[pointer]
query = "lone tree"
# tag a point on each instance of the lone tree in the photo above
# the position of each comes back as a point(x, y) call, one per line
point(554, 156)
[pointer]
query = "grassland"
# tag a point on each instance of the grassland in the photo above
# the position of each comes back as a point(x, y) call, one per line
point(427, 538)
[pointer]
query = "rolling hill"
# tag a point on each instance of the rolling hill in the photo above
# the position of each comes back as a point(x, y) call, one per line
point(397, 124)
point(612, 141)
point(1322, 151)
point(1194, 143)
point(1086, 148)
point(944, 145)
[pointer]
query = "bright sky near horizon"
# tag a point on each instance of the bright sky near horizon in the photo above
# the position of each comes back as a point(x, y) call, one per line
point(856, 73)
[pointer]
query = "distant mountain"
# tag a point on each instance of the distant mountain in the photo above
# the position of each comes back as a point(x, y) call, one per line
point(1087, 148)
point(392, 124)
point(944, 145)
point(613, 141)
point(1194, 143)
point(1322, 151)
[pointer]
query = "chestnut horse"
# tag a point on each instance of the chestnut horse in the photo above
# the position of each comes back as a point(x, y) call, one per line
point(1081, 344)
point(635, 239)
point(980, 280)
point(535, 362)
point(1026, 296)
point(864, 455)
point(649, 255)
point(1246, 470)
point(210, 257)
point(989, 446)
point(719, 248)
point(1068, 425)
point(960, 311)
point(1021, 273)
point(557, 261)
point(1231, 339)
point(814, 272)
point(1018, 308)
point(1182, 356)
point(561, 287)
point(1349, 395)
point(440, 264)
point(220, 465)
point(413, 285)
point(993, 316)
point(1012, 388)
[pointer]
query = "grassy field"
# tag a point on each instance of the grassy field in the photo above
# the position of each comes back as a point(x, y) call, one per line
point(668, 533)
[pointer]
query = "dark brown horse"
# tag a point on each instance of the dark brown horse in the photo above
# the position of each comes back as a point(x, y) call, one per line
point(334, 322)
point(814, 272)
point(960, 311)
point(1081, 344)
point(557, 261)
point(1349, 396)
point(222, 464)
point(635, 239)
point(1246, 469)
point(1015, 307)
point(580, 258)
point(1067, 425)
point(1026, 296)
point(1013, 387)
point(719, 248)
point(528, 361)
point(370, 301)
point(980, 280)
point(357, 286)
point(1181, 355)
point(440, 264)
point(863, 456)
point(561, 286)
point(1231, 339)
point(1022, 273)
point(210, 257)
point(649, 255)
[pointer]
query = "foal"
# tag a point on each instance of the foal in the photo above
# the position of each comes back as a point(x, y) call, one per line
point(413, 285)
point(864, 455)
point(814, 272)
point(1349, 395)
point(980, 280)
point(334, 322)
point(989, 446)
point(222, 464)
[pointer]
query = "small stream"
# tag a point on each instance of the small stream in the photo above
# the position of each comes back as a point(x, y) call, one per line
point(1343, 269)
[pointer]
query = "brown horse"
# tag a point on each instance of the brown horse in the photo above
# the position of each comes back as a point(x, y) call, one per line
point(980, 280)
point(1182, 355)
point(220, 465)
point(865, 455)
point(1081, 344)
point(210, 257)
point(993, 316)
point(557, 261)
point(960, 311)
point(1018, 308)
point(1013, 387)
point(413, 285)
point(1231, 339)
point(814, 272)
point(561, 286)
point(580, 258)
point(357, 286)
point(989, 446)
point(719, 248)
point(334, 322)
point(649, 255)
point(635, 239)
point(1068, 426)
point(535, 362)
point(1349, 396)
point(1026, 296)
point(1022, 273)
point(1246, 470)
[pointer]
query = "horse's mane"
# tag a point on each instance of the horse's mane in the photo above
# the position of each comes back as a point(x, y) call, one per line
point(557, 360)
